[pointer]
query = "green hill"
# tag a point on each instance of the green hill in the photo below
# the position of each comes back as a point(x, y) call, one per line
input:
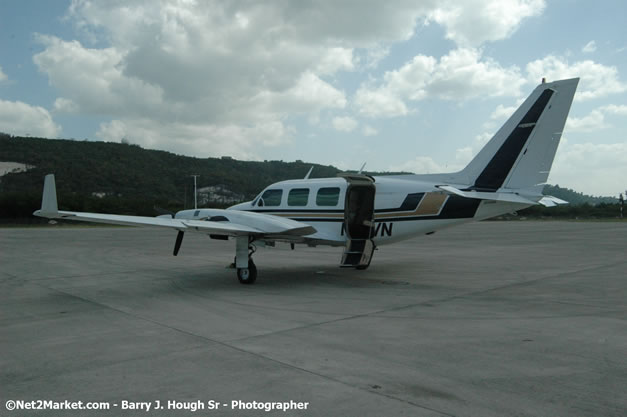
point(100, 175)
point(575, 198)
point(126, 179)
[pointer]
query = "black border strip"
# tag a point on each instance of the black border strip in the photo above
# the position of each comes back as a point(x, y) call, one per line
point(456, 207)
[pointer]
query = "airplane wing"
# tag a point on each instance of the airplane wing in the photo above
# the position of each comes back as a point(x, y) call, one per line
point(238, 224)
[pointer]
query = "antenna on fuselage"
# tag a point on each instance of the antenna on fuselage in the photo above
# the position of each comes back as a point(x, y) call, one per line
point(309, 173)
point(362, 168)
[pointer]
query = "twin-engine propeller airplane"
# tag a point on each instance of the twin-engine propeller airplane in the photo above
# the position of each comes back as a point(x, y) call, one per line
point(361, 212)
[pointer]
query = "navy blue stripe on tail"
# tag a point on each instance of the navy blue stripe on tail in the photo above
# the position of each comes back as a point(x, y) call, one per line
point(494, 174)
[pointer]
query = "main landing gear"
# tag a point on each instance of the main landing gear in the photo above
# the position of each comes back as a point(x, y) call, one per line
point(246, 269)
point(247, 275)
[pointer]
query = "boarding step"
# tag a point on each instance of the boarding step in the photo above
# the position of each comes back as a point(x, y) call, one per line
point(357, 253)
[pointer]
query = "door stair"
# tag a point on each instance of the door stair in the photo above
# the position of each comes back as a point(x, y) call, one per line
point(357, 253)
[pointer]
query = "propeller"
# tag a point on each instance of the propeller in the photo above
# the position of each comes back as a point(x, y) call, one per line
point(179, 240)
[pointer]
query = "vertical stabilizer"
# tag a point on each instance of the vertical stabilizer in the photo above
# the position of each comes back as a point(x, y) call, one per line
point(521, 153)
point(49, 198)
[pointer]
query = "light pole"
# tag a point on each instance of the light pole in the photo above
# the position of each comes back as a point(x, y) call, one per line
point(195, 196)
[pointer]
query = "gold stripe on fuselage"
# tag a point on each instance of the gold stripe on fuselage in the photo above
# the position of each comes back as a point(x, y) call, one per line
point(430, 205)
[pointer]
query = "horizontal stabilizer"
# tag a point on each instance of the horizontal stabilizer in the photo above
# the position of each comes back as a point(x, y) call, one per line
point(494, 196)
point(550, 201)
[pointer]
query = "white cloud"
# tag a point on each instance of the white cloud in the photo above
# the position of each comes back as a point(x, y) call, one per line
point(597, 80)
point(464, 155)
point(472, 22)
point(593, 121)
point(419, 165)
point(64, 105)
point(375, 54)
point(427, 165)
point(620, 110)
point(94, 81)
point(201, 140)
point(220, 64)
point(503, 112)
point(499, 114)
point(237, 63)
point(589, 47)
point(461, 74)
point(344, 124)
point(310, 94)
point(369, 131)
point(3, 76)
point(482, 139)
point(22, 119)
point(411, 79)
point(591, 168)
point(379, 102)
point(336, 59)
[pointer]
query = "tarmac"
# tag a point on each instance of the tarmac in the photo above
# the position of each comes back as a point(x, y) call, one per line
point(513, 318)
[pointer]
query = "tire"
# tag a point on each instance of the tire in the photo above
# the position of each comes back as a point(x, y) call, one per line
point(248, 275)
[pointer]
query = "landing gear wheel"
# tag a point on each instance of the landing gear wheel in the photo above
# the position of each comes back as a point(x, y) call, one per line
point(248, 275)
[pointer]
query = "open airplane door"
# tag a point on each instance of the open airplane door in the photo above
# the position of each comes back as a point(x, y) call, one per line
point(358, 221)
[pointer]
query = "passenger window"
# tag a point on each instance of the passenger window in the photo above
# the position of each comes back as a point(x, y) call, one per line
point(298, 197)
point(271, 198)
point(328, 196)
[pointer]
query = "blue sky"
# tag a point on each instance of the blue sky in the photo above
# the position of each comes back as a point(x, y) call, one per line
point(397, 85)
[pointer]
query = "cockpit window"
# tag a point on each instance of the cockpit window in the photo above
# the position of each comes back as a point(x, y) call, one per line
point(271, 198)
point(328, 196)
point(298, 197)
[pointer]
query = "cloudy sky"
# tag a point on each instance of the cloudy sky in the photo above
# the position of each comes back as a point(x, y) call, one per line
point(402, 85)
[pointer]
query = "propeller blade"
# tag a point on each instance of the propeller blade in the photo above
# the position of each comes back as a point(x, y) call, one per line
point(179, 240)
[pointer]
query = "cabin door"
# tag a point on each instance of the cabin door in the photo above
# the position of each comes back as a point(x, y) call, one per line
point(359, 221)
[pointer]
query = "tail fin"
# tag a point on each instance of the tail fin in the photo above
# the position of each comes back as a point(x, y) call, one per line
point(521, 153)
point(49, 199)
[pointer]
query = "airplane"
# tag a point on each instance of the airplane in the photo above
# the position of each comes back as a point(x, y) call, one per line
point(362, 212)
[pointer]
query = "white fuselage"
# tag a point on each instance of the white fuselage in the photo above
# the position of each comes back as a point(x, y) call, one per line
point(404, 207)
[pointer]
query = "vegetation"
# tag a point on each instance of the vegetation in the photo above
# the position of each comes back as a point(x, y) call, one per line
point(575, 198)
point(580, 206)
point(126, 179)
point(567, 211)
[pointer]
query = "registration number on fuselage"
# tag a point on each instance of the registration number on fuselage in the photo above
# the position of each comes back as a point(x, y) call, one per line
point(381, 229)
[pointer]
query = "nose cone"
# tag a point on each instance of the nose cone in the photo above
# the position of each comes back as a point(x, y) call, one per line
point(241, 206)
